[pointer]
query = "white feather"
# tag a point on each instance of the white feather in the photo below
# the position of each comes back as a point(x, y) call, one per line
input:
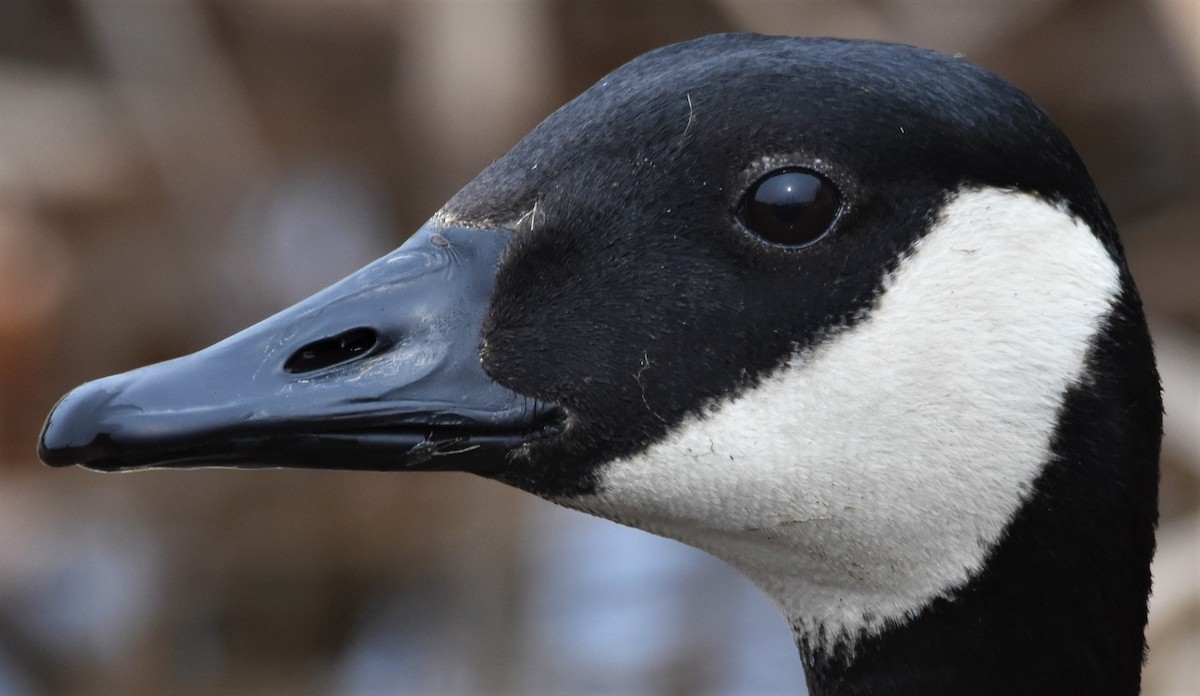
point(875, 471)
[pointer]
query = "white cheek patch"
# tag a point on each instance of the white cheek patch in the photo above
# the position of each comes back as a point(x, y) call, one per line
point(876, 471)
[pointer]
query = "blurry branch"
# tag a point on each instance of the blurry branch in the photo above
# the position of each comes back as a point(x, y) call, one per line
point(59, 138)
point(1181, 23)
point(1179, 365)
point(1172, 634)
point(962, 26)
point(178, 91)
point(472, 105)
point(182, 97)
point(35, 278)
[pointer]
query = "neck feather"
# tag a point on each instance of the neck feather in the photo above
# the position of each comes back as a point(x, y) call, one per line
point(1060, 605)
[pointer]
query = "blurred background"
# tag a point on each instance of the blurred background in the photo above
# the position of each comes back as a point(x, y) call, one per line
point(174, 170)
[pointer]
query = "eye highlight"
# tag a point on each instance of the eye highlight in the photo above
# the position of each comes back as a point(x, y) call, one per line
point(790, 207)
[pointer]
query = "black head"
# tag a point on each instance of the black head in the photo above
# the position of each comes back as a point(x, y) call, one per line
point(635, 291)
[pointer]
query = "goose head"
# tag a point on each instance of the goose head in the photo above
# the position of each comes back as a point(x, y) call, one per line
point(850, 316)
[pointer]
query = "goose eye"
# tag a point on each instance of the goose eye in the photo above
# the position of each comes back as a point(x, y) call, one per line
point(792, 207)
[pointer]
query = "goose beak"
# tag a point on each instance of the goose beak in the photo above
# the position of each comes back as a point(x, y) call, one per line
point(380, 371)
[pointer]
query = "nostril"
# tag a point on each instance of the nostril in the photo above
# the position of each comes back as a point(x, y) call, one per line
point(343, 348)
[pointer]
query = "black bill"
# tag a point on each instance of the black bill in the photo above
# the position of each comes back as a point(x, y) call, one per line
point(379, 372)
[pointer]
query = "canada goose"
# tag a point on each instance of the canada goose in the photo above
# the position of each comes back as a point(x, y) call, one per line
point(850, 316)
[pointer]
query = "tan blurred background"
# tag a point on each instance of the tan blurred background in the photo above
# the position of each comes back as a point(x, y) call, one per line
point(173, 170)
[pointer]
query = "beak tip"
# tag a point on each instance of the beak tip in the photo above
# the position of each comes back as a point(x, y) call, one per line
point(72, 433)
point(54, 447)
point(57, 457)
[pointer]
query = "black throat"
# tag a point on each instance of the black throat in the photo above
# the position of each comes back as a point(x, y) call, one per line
point(1060, 607)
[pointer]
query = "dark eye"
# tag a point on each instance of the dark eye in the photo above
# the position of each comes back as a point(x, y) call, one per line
point(793, 207)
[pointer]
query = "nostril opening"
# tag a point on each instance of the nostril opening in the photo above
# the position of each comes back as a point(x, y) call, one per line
point(327, 352)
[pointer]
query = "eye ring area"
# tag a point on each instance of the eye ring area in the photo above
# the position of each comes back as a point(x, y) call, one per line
point(791, 207)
